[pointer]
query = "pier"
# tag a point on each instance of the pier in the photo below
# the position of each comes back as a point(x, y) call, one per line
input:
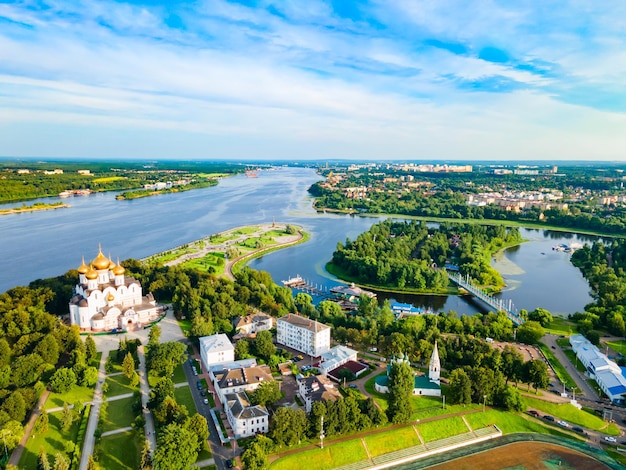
point(497, 304)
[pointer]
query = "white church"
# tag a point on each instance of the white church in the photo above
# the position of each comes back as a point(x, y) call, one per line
point(426, 385)
point(105, 299)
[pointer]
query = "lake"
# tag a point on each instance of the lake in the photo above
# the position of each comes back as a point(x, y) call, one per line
point(48, 243)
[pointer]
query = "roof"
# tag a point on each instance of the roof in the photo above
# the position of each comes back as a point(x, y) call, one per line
point(338, 353)
point(240, 407)
point(216, 343)
point(243, 376)
point(302, 322)
point(320, 388)
point(239, 322)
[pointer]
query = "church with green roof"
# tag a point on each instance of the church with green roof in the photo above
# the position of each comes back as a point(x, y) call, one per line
point(426, 385)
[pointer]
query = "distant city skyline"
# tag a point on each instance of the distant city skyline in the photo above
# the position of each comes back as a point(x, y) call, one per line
point(450, 80)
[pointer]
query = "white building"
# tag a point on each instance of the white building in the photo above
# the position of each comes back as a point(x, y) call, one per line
point(252, 324)
point(216, 349)
point(336, 357)
point(303, 334)
point(606, 373)
point(240, 379)
point(316, 388)
point(106, 299)
point(426, 385)
point(245, 419)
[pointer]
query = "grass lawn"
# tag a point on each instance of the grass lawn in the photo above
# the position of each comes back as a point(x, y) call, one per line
point(209, 262)
point(561, 326)
point(563, 343)
point(509, 422)
point(438, 411)
point(183, 397)
point(571, 355)
point(332, 456)
point(379, 398)
point(179, 374)
point(379, 444)
point(95, 362)
point(119, 414)
point(617, 346)
point(204, 455)
point(120, 451)
point(185, 325)
point(569, 413)
point(115, 366)
point(442, 428)
point(559, 369)
point(56, 400)
point(53, 441)
point(119, 385)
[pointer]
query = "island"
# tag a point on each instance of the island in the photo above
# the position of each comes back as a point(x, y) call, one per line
point(38, 206)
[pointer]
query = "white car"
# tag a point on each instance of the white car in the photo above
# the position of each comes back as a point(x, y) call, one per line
point(562, 423)
point(610, 439)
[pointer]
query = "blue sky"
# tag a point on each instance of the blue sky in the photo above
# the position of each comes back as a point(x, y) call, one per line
point(293, 79)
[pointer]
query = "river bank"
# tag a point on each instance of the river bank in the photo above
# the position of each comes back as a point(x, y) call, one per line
point(39, 206)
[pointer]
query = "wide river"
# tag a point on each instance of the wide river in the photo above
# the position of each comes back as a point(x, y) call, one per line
point(48, 243)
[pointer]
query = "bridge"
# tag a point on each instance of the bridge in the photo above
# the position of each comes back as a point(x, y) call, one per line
point(497, 304)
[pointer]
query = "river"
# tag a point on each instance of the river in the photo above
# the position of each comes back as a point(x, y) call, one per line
point(48, 243)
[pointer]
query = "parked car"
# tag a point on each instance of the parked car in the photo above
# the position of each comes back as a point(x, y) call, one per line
point(610, 439)
point(578, 429)
point(549, 418)
point(533, 413)
point(229, 463)
point(199, 385)
point(562, 423)
point(206, 401)
point(352, 386)
point(203, 393)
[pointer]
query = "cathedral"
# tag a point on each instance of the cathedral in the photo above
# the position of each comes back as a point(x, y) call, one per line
point(105, 299)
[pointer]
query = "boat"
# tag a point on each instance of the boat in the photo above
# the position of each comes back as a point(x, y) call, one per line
point(294, 281)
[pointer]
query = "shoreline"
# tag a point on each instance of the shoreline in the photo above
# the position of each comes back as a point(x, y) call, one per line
point(34, 208)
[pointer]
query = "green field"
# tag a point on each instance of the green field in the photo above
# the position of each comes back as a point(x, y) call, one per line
point(52, 441)
point(120, 451)
point(569, 413)
point(561, 326)
point(81, 394)
point(119, 414)
point(183, 397)
point(559, 369)
point(442, 428)
point(383, 443)
point(511, 423)
point(119, 385)
point(332, 456)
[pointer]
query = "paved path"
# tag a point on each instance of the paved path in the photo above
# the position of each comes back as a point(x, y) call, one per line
point(16, 455)
point(116, 431)
point(145, 397)
point(94, 415)
point(578, 377)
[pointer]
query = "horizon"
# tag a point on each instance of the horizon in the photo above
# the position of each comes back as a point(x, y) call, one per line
point(359, 80)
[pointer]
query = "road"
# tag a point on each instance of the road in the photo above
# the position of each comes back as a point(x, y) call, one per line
point(578, 377)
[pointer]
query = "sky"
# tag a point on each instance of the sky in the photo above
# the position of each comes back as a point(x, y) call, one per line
point(311, 79)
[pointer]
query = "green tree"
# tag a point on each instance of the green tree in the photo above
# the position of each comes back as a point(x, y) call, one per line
point(164, 357)
point(128, 365)
point(90, 348)
point(48, 349)
point(146, 457)
point(41, 424)
point(287, 426)
point(63, 380)
point(67, 418)
point(267, 393)
point(242, 349)
point(154, 336)
point(198, 426)
point(92, 464)
point(176, 448)
point(42, 461)
point(541, 315)
point(530, 332)
point(170, 411)
point(538, 374)
point(254, 458)
point(61, 463)
point(15, 406)
point(264, 344)
point(401, 382)
point(512, 399)
point(460, 387)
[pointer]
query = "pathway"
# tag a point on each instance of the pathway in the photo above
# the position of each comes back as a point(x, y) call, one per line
point(94, 415)
point(16, 455)
point(145, 397)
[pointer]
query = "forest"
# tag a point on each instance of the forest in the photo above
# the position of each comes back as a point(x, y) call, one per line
point(445, 195)
point(604, 267)
point(410, 255)
point(105, 176)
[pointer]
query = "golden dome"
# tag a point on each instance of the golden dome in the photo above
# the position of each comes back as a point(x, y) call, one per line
point(112, 265)
point(110, 297)
point(91, 273)
point(118, 270)
point(83, 268)
point(100, 262)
